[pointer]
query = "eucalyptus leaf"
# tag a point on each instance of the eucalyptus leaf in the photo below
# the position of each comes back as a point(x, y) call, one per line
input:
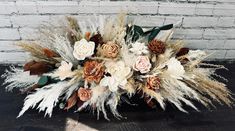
point(43, 80)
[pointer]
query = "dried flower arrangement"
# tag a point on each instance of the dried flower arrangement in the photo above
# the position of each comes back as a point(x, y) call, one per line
point(95, 64)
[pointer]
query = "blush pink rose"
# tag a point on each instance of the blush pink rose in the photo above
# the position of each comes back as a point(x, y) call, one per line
point(142, 64)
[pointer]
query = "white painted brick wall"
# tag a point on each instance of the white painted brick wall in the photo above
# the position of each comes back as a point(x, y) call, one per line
point(206, 24)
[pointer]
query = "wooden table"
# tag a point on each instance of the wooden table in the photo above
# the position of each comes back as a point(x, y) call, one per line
point(139, 118)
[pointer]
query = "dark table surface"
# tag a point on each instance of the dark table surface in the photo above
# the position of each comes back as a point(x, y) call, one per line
point(139, 118)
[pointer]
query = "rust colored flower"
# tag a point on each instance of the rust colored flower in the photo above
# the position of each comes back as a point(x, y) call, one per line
point(182, 51)
point(153, 83)
point(157, 47)
point(93, 71)
point(84, 94)
point(38, 68)
point(110, 50)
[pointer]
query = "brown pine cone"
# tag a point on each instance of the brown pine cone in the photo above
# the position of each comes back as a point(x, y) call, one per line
point(157, 47)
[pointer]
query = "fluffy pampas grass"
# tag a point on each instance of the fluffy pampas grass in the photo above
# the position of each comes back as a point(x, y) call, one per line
point(18, 78)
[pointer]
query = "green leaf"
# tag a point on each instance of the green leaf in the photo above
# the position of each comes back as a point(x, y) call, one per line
point(135, 31)
point(155, 32)
point(43, 80)
point(166, 27)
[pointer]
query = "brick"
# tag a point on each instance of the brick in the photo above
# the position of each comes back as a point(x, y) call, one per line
point(29, 33)
point(230, 54)
point(7, 8)
point(5, 21)
point(224, 10)
point(188, 33)
point(219, 34)
point(29, 20)
point(9, 34)
point(226, 22)
point(176, 8)
point(147, 21)
point(88, 7)
point(7, 46)
point(13, 57)
point(26, 7)
point(216, 54)
point(199, 21)
point(196, 44)
point(206, 44)
point(129, 7)
point(54, 7)
point(172, 20)
point(229, 45)
point(204, 9)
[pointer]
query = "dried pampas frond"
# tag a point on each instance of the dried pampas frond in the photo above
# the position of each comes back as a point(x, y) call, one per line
point(46, 98)
point(17, 78)
point(64, 48)
point(102, 97)
point(114, 29)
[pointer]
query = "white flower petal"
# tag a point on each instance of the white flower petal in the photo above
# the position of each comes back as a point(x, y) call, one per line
point(83, 49)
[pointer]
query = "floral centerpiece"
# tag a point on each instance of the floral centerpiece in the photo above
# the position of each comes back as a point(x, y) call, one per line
point(93, 66)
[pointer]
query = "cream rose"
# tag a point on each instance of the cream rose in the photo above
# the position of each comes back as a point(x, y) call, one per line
point(119, 75)
point(142, 64)
point(83, 49)
point(174, 68)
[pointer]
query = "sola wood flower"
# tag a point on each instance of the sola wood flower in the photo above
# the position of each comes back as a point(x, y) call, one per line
point(139, 48)
point(119, 75)
point(93, 71)
point(84, 94)
point(64, 71)
point(174, 68)
point(109, 50)
point(153, 83)
point(157, 47)
point(83, 49)
point(142, 64)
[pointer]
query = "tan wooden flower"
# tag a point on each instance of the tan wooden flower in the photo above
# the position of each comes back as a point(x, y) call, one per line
point(110, 50)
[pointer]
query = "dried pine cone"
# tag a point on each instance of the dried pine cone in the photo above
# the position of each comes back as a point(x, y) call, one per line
point(157, 47)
